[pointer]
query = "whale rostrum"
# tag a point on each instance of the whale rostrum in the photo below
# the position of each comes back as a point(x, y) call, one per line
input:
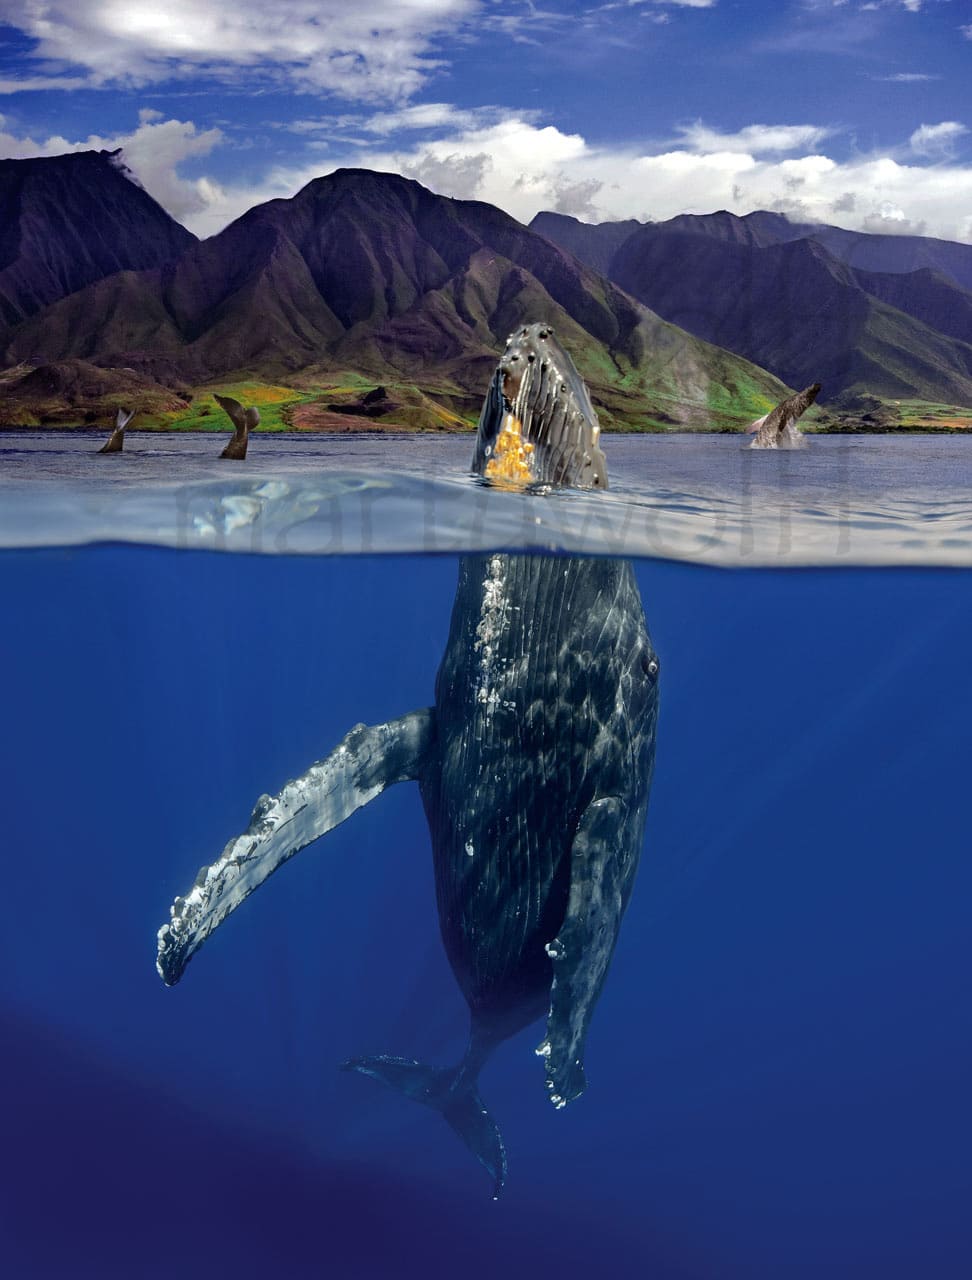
point(534, 765)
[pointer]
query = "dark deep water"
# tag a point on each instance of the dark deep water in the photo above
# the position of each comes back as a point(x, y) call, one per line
point(779, 1066)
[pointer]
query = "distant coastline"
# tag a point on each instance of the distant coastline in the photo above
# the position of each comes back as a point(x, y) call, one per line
point(393, 430)
point(367, 302)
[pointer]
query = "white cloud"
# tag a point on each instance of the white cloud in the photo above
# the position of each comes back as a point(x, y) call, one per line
point(153, 152)
point(382, 51)
point(967, 31)
point(421, 117)
point(523, 167)
point(936, 139)
point(906, 77)
point(755, 138)
point(526, 24)
point(888, 212)
point(428, 115)
point(40, 84)
point(912, 6)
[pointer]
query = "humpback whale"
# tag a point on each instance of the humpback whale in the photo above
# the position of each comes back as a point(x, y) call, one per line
point(243, 420)
point(534, 765)
point(116, 441)
point(777, 429)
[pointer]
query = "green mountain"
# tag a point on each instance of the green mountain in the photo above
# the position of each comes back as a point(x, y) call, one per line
point(374, 273)
point(811, 304)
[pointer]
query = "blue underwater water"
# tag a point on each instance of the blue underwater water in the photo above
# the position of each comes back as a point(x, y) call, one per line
point(779, 1064)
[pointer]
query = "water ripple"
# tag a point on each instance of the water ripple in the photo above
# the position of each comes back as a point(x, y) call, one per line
point(845, 500)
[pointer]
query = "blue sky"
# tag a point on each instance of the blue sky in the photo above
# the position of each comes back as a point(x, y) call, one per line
point(856, 112)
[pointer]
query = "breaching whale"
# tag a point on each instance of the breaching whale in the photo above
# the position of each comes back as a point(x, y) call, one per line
point(534, 766)
point(244, 421)
point(116, 441)
point(777, 429)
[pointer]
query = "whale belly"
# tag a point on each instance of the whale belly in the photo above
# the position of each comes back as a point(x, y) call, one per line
point(537, 716)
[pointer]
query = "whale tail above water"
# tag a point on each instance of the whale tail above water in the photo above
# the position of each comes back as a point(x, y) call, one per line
point(453, 1093)
point(244, 421)
point(116, 441)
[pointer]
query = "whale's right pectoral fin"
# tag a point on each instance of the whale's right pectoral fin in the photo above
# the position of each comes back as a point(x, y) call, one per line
point(582, 949)
point(367, 761)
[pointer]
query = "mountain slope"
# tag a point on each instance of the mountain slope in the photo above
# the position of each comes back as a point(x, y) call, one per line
point(372, 272)
point(926, 295)
point(761, 287)
point(864, 251)
point(67, 221)
point(594, 244)
point(64, 393)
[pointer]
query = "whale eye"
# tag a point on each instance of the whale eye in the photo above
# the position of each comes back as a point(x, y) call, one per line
point(649, 665)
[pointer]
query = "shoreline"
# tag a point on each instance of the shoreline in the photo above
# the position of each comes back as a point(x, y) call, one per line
point(398, 432)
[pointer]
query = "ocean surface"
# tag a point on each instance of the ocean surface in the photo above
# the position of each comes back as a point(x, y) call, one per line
point(707, 499)
point(779, 1065)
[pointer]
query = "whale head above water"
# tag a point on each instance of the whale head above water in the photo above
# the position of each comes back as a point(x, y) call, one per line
point(538, 426)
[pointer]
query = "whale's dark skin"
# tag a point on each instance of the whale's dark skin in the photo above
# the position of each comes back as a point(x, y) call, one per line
point(116, 441)
point(244, 421)
point(549, 740)
point(778, 429)
point(534, 766)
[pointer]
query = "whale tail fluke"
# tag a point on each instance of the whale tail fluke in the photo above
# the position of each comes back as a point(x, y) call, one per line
point(453, 1093)
point(116, 441)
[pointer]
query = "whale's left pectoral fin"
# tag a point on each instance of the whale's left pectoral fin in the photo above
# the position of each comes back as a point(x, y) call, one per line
point(369, 759)
point(582, 949)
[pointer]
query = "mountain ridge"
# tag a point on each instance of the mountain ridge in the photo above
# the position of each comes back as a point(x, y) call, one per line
point(68, 221)
point(374, 272)
point(796, 299)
